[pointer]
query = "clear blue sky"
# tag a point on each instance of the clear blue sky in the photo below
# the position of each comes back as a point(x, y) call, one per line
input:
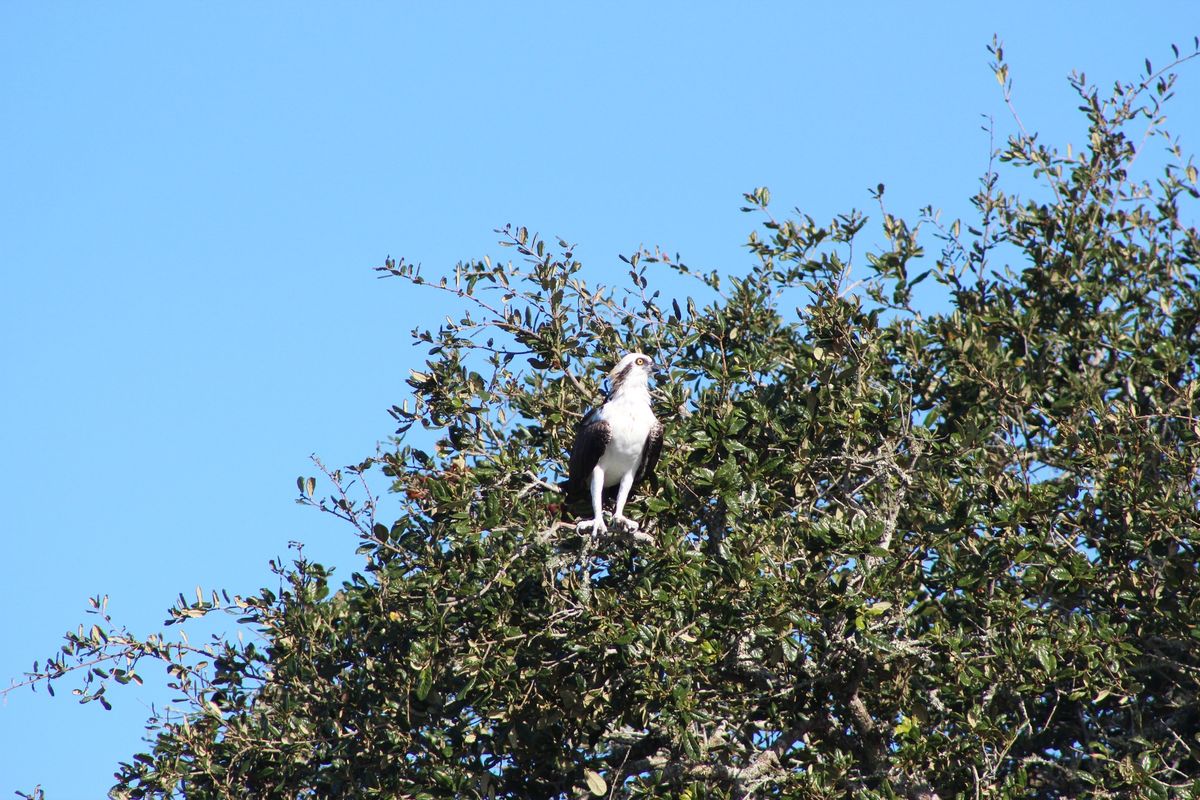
point(194, 196)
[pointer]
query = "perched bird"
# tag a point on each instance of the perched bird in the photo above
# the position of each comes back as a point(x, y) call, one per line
point(617, 445)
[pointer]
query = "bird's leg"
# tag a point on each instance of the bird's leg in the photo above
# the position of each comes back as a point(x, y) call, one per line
point(597, 523)
point(622, 495)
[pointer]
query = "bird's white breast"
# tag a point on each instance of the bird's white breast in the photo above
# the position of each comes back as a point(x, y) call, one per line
point(629, 421)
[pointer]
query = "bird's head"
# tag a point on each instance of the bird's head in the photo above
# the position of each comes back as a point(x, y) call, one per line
point(633, 369)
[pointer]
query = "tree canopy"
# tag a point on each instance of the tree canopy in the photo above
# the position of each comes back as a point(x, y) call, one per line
point(926, 523)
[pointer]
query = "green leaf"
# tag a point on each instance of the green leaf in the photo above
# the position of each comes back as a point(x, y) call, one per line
point(1042, 650)
point(424, 683)
point(595, 783)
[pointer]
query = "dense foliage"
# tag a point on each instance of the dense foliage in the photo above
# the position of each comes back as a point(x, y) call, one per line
point(897, 551)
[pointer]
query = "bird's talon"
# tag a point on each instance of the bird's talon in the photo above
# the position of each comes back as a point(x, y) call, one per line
point(597, 526)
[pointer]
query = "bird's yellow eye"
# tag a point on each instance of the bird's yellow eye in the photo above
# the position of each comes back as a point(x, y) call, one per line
point(641, 362)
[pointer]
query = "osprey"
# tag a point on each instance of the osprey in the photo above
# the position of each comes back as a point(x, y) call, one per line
point(617, 444)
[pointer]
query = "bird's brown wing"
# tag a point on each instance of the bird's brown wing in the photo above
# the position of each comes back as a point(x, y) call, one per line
point(650, 453)
point(591, 437)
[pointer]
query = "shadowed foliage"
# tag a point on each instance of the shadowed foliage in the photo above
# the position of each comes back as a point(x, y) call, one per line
point(899, 549)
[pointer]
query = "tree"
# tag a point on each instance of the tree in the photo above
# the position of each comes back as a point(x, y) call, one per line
point(896, 552)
